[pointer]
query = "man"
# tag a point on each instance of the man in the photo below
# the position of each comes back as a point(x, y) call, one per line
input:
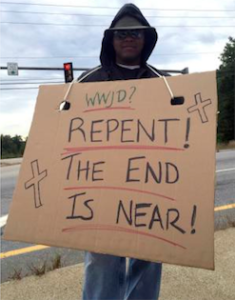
point(126, 46)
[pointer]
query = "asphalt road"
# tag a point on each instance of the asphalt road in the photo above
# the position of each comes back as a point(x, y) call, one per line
point(24, 263)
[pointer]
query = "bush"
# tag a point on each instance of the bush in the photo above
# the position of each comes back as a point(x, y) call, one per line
point(12, 147)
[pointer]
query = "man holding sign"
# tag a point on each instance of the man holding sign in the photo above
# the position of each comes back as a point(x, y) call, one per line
point(126, 47)
point(116, 173)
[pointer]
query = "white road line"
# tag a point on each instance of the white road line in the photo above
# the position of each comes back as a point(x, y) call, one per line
point(3, 220)
point(225, 170)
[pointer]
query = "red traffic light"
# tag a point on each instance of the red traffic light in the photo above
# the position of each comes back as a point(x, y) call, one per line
point(68, 72)
point(67, 67)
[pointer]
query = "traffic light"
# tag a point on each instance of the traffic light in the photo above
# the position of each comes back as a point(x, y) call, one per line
point(68, 72)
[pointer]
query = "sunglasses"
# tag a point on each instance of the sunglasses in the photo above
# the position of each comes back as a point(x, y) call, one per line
point(134, 33)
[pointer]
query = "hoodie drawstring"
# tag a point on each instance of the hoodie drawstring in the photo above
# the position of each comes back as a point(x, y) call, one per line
point(164, 79)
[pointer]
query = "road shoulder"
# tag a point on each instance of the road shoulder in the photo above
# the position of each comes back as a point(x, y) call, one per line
point(178, 283)
point(10, 162)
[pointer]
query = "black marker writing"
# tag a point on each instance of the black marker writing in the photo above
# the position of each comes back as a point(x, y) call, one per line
point(186, 145)
point(85, 203)
point(166, 127)
point(134, 89)
point(148, 215)
point(70, 164)
point(157, 172)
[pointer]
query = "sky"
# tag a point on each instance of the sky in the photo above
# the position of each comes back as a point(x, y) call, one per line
point(191, 34)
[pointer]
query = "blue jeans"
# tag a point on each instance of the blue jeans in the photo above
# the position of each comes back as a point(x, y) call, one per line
point(106, 278)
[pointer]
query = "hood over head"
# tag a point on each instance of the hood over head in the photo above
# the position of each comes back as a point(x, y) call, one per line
point(128, 17)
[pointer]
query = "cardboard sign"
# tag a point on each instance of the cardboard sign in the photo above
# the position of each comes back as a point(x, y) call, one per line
point(125, 170)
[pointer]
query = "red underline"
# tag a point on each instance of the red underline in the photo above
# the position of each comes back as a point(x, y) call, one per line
point(118, 188)
point(119, 147)
point(110, 108)
point(121, 229)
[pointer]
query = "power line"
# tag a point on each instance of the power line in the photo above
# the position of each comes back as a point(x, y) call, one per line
point(88, 57)
point(44, 68)
point(100, 25)
point(9, 89)
point(19, 83)
point(41, 79)
point(111, 16)
point(224, 75)
point(29, 79)
point(35, 88)
point(106, 7)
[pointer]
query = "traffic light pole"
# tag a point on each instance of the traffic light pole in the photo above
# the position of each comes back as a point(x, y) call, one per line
point(184, 71)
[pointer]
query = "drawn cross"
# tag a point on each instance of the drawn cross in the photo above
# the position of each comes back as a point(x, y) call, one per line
point(200, 107)
point(35, 182)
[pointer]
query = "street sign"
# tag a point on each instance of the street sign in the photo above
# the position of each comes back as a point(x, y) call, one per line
point(12, 69)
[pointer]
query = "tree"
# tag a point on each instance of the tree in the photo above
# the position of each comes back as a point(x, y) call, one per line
point(226, 93)
point(12, 146)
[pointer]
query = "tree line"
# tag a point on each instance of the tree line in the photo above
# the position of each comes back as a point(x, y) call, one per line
point(12, 146)
point(226, 93)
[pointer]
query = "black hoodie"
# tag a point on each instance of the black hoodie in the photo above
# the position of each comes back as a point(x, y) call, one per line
point(108, 70)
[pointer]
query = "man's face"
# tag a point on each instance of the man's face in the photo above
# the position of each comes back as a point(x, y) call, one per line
point(128, 45)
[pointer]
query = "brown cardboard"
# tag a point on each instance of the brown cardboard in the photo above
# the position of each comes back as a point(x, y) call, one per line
point(149, 191)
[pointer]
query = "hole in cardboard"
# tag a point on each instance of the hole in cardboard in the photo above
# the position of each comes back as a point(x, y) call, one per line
point(64, 105)
point(177, 100)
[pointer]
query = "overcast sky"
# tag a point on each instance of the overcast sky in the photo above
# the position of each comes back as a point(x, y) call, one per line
point(191, 34)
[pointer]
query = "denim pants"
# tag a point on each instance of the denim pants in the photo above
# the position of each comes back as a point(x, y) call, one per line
point(106, 278)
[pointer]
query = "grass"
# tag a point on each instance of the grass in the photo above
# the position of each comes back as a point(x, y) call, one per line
point(225, 223)
point(56, 262)
point(17, 275)
point(231, 223)
point(39, 270)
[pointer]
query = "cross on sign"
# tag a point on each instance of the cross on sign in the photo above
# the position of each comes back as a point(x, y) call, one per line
point(200, 107)
point(35, 182)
